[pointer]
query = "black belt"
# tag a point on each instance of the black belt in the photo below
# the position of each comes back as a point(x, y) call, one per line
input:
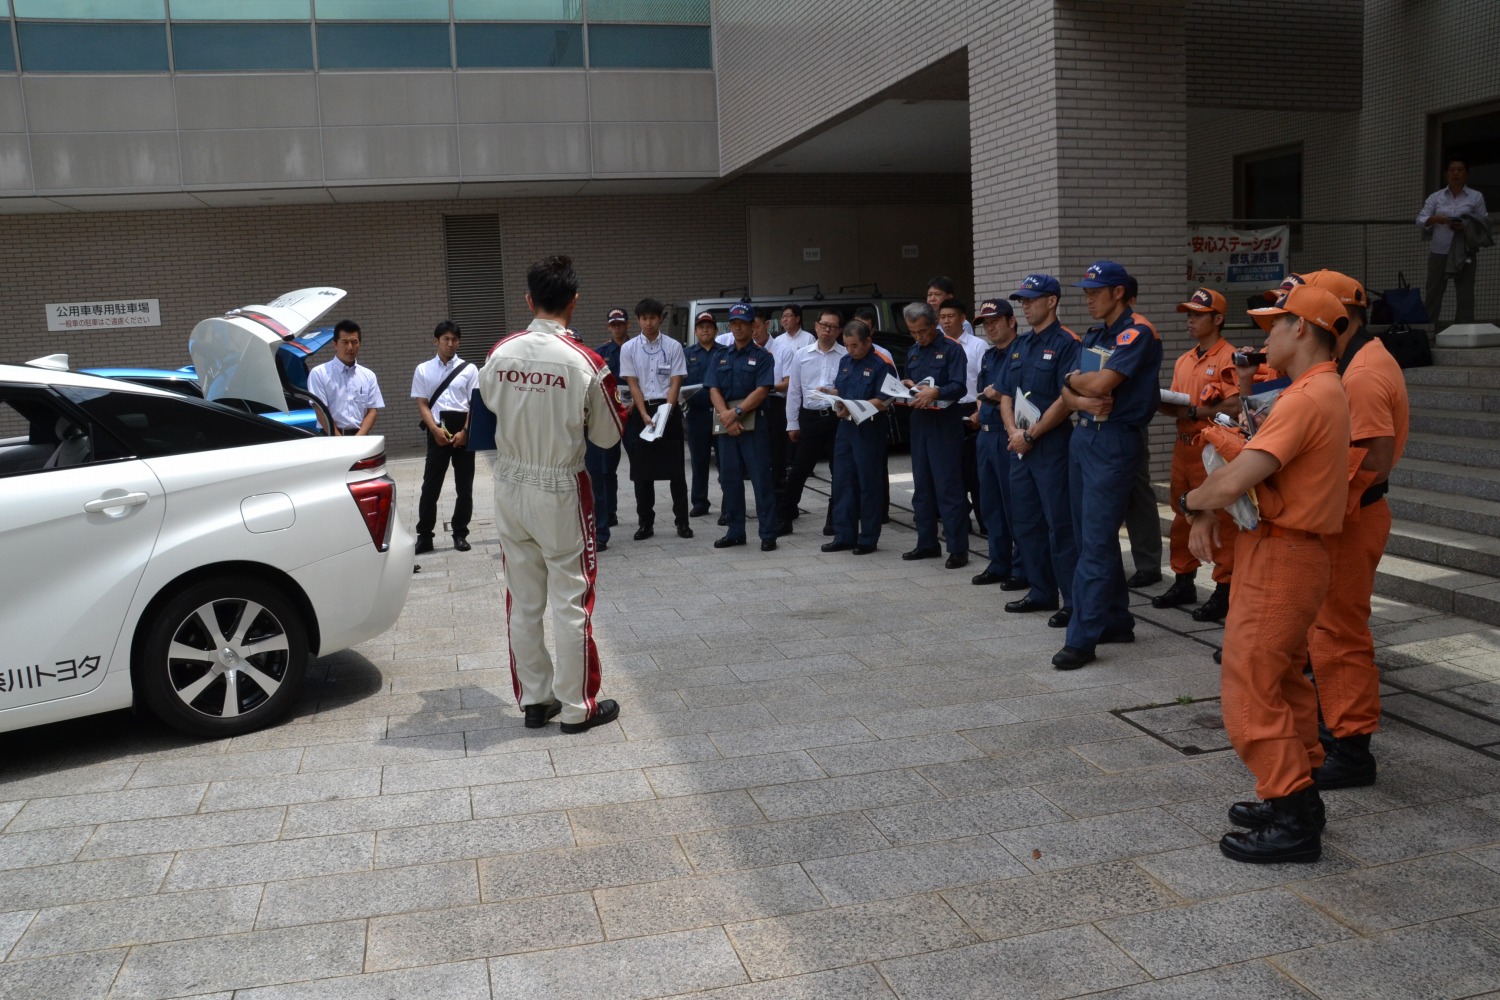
point(1374, 493)
point(347, 431)
point(992, 428)
point(826, 411)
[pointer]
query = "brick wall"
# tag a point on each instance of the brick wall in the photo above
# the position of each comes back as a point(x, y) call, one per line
point(1287, 55)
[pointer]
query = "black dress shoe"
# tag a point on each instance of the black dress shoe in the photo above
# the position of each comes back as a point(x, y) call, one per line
point(1061, 619)
point(723, 520)
point(783, 528)
point(537, 715)
point(607, 710)
point(837, 546)
point(1290, 834)
point(1026, 604)
point(921, 554)
point(1014, 583)
point(461, 543)
point(1181, 592)
point(726, 542)
point(643, 533)
point(986, 578)
point(1219, 656)
point(424, 544)
point(957, 560)
point(828, 530)
point(1069, 658)
point(768, 545)
point(1348, 763)
point(1144, 578)
point(1215, 608)
point(613, 520)
point(683, 531)
point(862, 550)
point(1254, 815)
point(601, 547)
point(698, 510)
point(1118, 635)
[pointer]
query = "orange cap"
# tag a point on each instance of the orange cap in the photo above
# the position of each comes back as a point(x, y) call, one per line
point(1348, 291)
point(1318, 306)
point(1287, 284)
point(1204, 300)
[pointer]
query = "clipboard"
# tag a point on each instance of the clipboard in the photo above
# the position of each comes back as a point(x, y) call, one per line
point(747, 422)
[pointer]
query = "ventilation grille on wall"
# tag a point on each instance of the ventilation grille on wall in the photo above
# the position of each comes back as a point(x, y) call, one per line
point(476, 296)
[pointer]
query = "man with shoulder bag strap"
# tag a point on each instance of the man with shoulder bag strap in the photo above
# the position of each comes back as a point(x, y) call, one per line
point(442, 387)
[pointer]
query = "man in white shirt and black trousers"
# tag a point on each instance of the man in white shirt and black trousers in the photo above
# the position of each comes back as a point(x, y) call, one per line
point(811, 423)
point(654, 367)
point(346, 388)
point(442, 387)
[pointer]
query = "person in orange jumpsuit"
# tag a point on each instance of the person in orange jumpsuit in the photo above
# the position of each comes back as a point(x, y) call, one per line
point(1206, 375)
point(1296, 463)
point(1340, 645)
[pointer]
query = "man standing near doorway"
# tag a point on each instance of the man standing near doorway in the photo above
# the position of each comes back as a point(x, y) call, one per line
point(1442, 216)
point(346, 388)
point(442, 388)
point(654, 367)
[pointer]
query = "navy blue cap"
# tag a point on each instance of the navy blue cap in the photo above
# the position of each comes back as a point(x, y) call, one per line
point(617, 316)
point(990, 308)
point(742, 310)
point(1036, 285)
point(1104, 274)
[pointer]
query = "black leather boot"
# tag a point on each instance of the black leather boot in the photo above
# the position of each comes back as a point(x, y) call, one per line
point(1291, 835)
point(1216, 607)
point(1347, 763)
point(1255, 814)
point(1181, 592)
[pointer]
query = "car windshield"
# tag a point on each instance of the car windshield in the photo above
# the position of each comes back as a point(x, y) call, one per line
point(154, 426)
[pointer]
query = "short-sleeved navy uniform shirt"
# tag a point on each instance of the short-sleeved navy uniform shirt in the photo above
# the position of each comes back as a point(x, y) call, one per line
point(738, 372)
point(1137, 355)
point(698, 360)
point(1036, 364)
point(944, 362)
point(862, 379)
point(990, 369)
point(610, 352)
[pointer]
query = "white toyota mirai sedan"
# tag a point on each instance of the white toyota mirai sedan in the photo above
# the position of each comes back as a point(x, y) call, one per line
point(179, 553)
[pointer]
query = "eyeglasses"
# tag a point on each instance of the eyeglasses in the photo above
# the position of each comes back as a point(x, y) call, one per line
point(828, 326)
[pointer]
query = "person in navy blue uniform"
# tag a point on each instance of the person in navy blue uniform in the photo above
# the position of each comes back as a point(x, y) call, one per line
point(937, 438)
point(1041, 511)
point(859, 450)
point(992, 455)
point(1113, 404)
point(739, 381)
point(603, 464)
point(699, 411)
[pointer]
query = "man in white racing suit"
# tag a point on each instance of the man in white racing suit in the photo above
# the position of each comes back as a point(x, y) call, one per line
point(547, 392)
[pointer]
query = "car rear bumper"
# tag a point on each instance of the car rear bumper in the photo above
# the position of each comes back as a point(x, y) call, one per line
point(359, 594)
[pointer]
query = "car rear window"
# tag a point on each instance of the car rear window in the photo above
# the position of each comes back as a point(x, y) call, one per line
point(155, 426)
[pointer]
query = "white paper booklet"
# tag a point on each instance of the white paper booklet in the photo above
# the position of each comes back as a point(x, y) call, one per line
point(658, 425)
point(1176, 398)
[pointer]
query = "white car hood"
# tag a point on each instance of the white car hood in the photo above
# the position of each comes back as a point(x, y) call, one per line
point(235, 354)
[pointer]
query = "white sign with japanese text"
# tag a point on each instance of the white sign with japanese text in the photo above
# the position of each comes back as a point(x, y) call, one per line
point(1237, 260)
point(102, 315)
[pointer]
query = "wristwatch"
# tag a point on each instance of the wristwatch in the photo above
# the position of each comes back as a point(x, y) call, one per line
point(739, 412)
point(1026, 436)
point(1068, 381)
point(1182, 505)
point(1193, 412)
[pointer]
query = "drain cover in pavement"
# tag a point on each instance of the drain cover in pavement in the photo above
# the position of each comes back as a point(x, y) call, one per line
point(1193, 728)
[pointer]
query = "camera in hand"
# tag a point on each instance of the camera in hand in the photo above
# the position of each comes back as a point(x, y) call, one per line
point(1247, 359)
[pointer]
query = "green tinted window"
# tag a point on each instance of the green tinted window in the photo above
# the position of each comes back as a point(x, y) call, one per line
point(93, 48)
point(116, 10)
point(241, 10)
point(651, 11)
point(383, 46)
point(381, 10)
point(517, 10)
point(482, 45)
point(650, 46)
point(209, 47)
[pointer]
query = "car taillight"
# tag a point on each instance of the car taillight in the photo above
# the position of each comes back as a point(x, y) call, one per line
point(366, 464)
point(375, 497)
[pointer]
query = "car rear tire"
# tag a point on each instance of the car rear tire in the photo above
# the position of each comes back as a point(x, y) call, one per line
point(222, 657)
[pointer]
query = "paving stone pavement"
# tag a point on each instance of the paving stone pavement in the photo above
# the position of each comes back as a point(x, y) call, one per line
point(833, 777)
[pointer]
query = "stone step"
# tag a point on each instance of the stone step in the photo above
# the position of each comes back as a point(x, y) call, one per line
point(1451, 591)
point(1450, 547)
point(1463, 399)
point(1455, 376)
point(1444, 510)
point(1453, 450)
point(1465, 357)
point(1441, 477)
point(1479, 425)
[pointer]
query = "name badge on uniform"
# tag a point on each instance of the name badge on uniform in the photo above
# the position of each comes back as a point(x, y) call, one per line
point(664, 372)
point(751, 362)
point(937, 357)
point(867, 373)
point(1049, 355)
point(1209, 372)
point(1016, 356)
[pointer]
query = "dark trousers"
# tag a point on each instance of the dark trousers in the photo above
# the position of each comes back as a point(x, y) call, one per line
point(937, 441)
point(436, 470)
point(1041, 515)
point(603, 466)
point(773, 411)
point(1101, 462)
point(970, 463)
point(1142, 522)
point(652, 462)
point(741, 456)
point(993, 469)
point(814, 445)
point(1437, 283)
point(859, 480)
point(699, 427)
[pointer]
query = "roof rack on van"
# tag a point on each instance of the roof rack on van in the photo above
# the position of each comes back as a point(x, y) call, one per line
point(817, 291)
point(744, 291)
point(872, 286)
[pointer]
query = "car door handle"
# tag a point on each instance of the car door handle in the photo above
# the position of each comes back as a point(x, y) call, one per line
point(111, 503)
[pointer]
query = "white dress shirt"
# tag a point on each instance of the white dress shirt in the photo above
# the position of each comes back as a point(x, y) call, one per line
point(974, 349)
point(810, 368)
point(455, 398)
point(347, 390)
point(782, 347)
point(653, 363)
point(1446, 203)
